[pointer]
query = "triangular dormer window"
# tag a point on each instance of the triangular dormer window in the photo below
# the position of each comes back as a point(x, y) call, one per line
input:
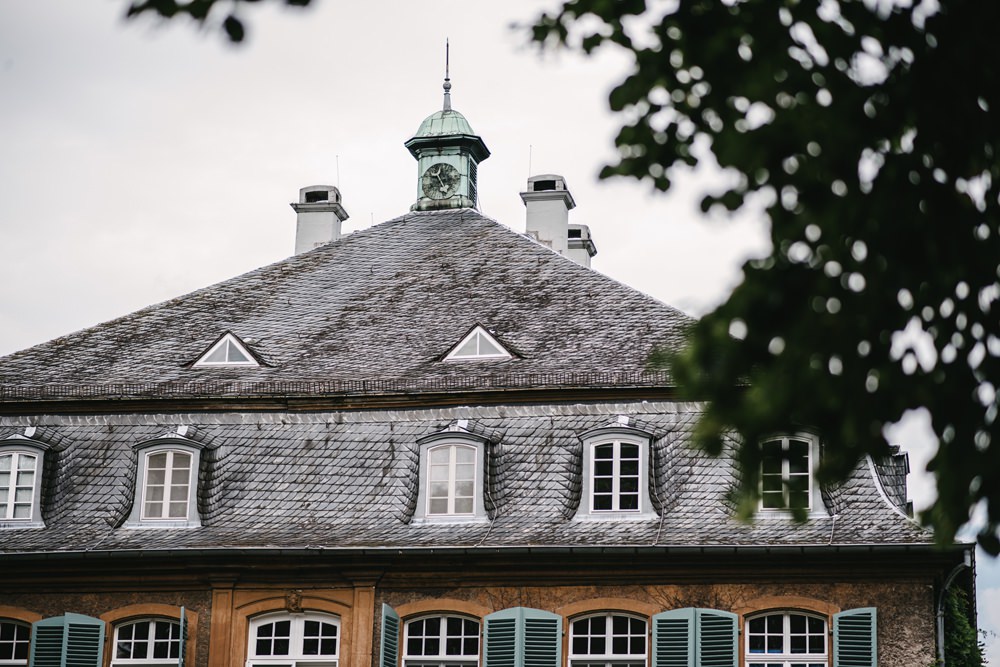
point(478, 344)
point(227, 351)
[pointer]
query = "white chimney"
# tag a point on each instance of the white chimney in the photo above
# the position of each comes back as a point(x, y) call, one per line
point(319, 216)
point(548, 203)
point(581, 245)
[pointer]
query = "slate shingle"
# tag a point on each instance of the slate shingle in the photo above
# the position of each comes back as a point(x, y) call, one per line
point(372, 313)
point(341, 480)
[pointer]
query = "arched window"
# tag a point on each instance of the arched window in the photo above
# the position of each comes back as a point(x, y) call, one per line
point(607, 640)
point(21, 482)
point(616, 472)
point(166, 492)
point(452, 464)
point(147, 642)
point(441, 641)
point(786, 474)
point(18, 473)
point(451, 480)
point(786, 639)
point(294, 639)
point(14, 640)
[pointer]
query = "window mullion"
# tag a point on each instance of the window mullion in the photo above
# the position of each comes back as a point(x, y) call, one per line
point(616, 475)
point(452, 477)
point(168, 482)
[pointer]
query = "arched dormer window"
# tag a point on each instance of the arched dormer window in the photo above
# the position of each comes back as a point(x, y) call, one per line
point(788, 473)
point(616, 472)
point(451, 476)
point(166, 484)
point(21, 482)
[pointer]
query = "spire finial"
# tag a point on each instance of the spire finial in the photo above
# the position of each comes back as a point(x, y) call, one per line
point(447, 81)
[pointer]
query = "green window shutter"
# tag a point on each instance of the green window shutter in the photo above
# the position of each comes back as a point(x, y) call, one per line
point(389, 649)
point(522, 637)
point(717, 644)
point(854, 638)
point(542, 638)
point(673, 638)
point(72, 640)
point(501, 639)
point(47, 642)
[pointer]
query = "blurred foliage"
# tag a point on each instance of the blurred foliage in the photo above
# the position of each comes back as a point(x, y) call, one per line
point(962, 645)
point(867, 131)
point(203, 11)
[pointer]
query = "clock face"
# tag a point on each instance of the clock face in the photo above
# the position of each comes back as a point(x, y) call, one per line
point(440, 181)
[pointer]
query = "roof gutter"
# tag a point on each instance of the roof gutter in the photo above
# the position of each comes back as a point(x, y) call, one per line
point(917, 548)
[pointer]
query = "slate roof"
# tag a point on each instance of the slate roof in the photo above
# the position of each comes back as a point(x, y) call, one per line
point(341, 480)
point(372, 313)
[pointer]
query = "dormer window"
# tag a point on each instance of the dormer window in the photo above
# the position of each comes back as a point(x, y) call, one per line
point(787, 473)
point(616, 472)
point(167, 484)
point(451, 477)
point(229, 350)
point(20, 482)
point(478, 344)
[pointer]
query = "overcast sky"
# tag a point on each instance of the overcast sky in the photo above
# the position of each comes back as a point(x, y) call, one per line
point(140, 161)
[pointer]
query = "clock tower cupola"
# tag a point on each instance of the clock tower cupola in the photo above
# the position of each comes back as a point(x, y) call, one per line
point(448, 154)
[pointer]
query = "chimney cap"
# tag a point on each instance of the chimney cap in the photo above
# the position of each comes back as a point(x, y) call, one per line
point(545, 187)
point(319, 194)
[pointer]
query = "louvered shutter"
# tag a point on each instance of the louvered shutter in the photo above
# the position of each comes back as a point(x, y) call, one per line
point(717, 633)
point(673, 638)
point(542, 638)
point(500, 643)
point(72, 640)
point(854, 638)
point(389, 649)
point(523, 637)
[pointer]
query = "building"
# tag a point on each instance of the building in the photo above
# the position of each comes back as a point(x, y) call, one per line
point(431, 442)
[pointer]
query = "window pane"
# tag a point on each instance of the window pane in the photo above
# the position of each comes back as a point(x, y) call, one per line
point(629, 502)
point(463, 505)
point(465, 455)
point(5, 462)
point(439, 506)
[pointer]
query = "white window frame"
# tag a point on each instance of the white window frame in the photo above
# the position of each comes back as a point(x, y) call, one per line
point(609, 658)
point(442, 659)
point(228, 339)
point(814, 495)
point(615, 435)
point(146, 450)
point(18, 449)
point(13, 642)
point(295, 656)
point(786, 658)
point(435, 442)
point(149, 660)
point(477, 332)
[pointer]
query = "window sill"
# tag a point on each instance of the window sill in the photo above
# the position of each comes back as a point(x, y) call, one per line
point(20, 525)
point(161, 524)
point(616, 516)
point(431, 520)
